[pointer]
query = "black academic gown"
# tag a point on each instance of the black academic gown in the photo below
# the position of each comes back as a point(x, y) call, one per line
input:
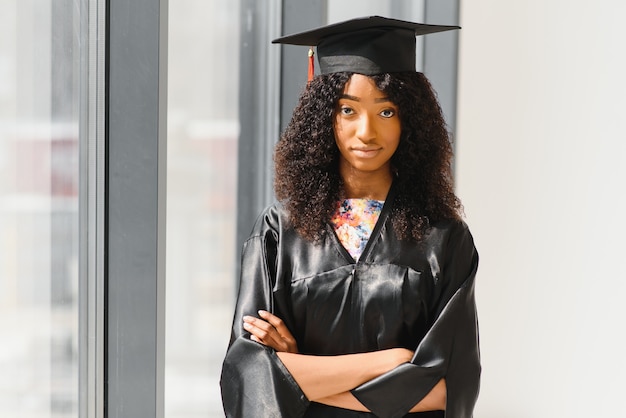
point(399, 294)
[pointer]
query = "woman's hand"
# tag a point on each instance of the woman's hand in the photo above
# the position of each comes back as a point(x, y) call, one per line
point(270, 331)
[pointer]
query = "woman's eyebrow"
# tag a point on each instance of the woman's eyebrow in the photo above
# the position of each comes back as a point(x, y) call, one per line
point(356, 99)
point(347, 96)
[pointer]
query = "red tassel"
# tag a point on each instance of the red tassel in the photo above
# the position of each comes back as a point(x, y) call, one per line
point(311, 64)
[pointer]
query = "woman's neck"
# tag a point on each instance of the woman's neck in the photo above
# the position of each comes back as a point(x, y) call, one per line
point(364, 185)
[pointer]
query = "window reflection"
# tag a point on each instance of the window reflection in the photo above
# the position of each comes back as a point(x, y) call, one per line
point(39, 60)
point(203, 79)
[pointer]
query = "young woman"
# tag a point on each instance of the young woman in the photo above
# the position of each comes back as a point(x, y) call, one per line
point(356, 295)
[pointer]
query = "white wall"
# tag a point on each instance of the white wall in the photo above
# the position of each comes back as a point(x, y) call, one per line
point(541, 171)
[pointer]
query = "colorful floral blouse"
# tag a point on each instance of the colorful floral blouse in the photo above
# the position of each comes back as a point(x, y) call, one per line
point(354, 222)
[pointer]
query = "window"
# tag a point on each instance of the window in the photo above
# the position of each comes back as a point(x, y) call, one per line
point(40, 67)
point(203, 127)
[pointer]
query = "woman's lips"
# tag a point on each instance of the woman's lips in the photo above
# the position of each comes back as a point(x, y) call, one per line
point(365, 152)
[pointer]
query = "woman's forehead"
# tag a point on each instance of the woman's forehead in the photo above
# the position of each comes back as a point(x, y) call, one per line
point(360, 86)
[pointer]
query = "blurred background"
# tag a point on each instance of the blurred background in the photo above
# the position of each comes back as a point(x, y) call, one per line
point(540, 144)
point(39, 183)
point(203, 130)
point(534, 96)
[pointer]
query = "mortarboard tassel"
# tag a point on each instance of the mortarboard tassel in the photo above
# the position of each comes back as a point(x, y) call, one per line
point(311, 64)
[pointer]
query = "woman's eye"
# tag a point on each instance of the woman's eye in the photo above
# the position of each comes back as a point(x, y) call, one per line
point(346, 111)
point(387, 113)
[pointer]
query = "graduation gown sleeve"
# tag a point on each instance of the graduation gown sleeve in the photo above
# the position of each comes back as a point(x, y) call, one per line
point(450, 348)
point(254, 382)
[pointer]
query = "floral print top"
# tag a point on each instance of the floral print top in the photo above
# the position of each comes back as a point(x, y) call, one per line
point(354, 222)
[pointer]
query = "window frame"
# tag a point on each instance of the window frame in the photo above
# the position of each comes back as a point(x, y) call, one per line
point(92, 141)
point(136, 122)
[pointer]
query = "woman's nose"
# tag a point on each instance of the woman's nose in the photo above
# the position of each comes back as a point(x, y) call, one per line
point(366, 131)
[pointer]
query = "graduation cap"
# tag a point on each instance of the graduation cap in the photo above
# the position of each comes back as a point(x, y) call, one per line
point(368, 45)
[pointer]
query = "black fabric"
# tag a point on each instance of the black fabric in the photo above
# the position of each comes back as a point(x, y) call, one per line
point(399, 294)
point(317, 410)
point(369, 45)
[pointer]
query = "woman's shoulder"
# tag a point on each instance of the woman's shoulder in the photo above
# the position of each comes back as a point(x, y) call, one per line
point(271, 218)
point(451, 231)
point(450, 225)
point(274, 211)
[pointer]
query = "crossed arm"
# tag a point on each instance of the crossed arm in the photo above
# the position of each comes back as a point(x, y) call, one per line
point(329, 379)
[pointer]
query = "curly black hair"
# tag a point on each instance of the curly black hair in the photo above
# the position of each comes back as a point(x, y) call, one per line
point(307, 179)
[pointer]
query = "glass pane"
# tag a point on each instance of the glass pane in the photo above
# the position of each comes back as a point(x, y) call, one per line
point(202, 167)
point(39, 64)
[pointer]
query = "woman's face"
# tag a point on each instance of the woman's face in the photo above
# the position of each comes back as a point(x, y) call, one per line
point(367, 127)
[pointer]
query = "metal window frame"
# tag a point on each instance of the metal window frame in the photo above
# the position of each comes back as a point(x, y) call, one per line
point(92, 160)
point(136, 111)
point(441, 56)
